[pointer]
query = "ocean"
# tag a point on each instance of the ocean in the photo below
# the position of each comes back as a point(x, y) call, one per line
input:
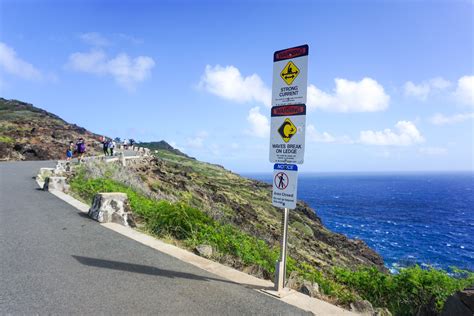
point(416, 218)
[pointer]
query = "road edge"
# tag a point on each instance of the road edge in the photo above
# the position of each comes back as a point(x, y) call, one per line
point(294, 298)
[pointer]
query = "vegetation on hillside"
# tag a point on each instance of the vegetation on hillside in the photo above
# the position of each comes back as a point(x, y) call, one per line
point(168, 194)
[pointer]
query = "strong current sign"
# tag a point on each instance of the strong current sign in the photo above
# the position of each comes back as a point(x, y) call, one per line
point(290, 75)
point(287, 136)
point(285, 183)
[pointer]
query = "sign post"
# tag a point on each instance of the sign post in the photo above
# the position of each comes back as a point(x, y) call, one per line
point(287, 138)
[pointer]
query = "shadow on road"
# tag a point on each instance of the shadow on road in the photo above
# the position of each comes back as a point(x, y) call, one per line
point(138, 268)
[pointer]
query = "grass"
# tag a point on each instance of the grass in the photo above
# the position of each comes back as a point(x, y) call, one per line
point(6, 139)
point(405, 293)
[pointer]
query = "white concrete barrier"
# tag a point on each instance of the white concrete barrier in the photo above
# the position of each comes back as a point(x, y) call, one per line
point(112, 208)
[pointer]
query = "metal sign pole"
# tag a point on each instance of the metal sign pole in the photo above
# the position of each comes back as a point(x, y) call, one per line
point(281, 266)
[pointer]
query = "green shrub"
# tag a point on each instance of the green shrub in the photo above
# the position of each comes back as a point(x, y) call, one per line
point(6, 139)
point(408, 291)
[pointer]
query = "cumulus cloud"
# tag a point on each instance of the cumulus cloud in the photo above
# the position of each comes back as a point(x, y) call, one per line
point(259, 123)
point(405, 134)
point(14, 65)
point(94, 39)
point(440, 119)
point(126, 71)
point(433, 151)
point(366, 95)
point(465, 90)
point(228, 83)
point(424, 89)
point(313, 135)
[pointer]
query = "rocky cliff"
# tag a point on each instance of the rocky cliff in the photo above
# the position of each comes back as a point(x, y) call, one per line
point(30, 133)
point(245, 203)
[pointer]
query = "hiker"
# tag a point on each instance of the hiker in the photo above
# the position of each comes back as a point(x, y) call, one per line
point(70, 151)
point(125, 144)
point(111, 146)
point(81, 149)
point(105, 146)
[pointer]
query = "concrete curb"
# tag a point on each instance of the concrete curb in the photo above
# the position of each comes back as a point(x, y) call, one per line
point(300, 300)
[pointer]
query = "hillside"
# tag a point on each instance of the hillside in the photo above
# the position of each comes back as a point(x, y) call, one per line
point(245, 203)
point(162, 145)
point(30, 133)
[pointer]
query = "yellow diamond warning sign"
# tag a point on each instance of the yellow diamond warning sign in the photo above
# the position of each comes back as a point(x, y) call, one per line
point(289, 73)
point(287, 130)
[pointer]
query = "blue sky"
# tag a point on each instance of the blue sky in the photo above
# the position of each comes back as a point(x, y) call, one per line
point(390, 82)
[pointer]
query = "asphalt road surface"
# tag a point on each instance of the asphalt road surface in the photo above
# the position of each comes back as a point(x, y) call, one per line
point(54, 260)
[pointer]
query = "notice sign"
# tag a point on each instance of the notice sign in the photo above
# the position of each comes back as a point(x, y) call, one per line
point(285, 183)
point(287, 134)
point(290, 76)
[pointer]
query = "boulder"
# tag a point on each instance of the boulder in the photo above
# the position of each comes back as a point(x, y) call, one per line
point(112, 208)
point(460, 303)
point(293, 281)
point(382, 312)
point(467, 297)
point(310, 289)
point(204, 251)
point(55, 183)
point(363, 307)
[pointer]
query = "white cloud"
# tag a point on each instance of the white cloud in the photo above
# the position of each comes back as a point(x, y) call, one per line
point(312, 135)
point(366, 95)
point(12, 64)
point(228, 83)
point(424, 89)
point(465, 90)
point(440, 119)
point(94, 39)
point(433, 151)
point(259, 123)
point(126, 71)
point(406, 134)
point(198, 140)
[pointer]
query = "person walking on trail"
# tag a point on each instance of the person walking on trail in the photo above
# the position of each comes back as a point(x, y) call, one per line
point(111, 146)
point(81, 149)
point(105, 146)
point(70, 151)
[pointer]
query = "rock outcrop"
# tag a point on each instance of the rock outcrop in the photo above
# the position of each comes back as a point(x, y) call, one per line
point(460, 304)
point(245, 203)
point(30, 133)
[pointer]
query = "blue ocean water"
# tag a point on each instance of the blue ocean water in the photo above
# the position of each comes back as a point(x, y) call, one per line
point(426, 219)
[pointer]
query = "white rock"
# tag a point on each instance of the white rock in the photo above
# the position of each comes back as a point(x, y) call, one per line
point(56, 183)
point(112, 207)
point(204, 250)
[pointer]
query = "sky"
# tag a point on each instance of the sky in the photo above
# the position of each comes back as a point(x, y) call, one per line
point(390, 83)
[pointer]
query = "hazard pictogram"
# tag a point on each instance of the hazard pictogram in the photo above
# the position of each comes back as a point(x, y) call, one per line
point(281, 180)
point(287, 130)
point(289, 73)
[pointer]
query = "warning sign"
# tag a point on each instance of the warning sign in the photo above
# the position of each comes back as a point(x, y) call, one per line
point(287, 134)
point(289, 73)
point(285, 178)
point(287, 130)
point(290, 76)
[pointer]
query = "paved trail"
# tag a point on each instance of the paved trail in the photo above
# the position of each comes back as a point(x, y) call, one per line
point(55, 260)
